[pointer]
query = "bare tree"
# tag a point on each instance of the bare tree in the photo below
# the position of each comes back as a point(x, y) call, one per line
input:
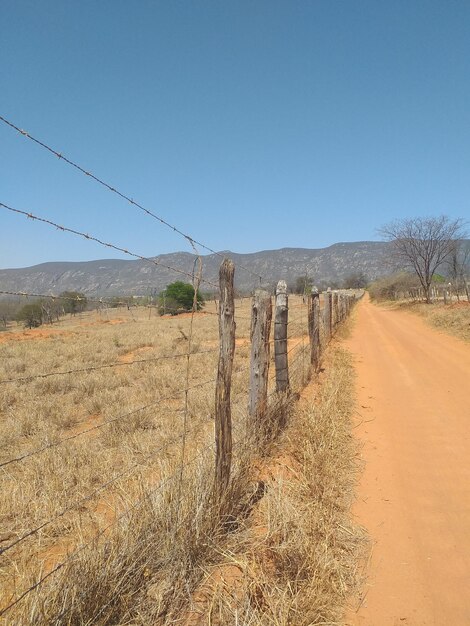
point(355, 280)
point(423, 244)
point(459, 267)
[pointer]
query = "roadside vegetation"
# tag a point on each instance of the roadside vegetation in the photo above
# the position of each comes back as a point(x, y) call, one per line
point(125, 508)
point(450, 318)
point(426, 245)
point(299, 553)
point(449, 309)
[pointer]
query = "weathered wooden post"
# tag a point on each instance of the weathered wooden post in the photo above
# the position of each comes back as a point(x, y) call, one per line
point(325, 320)
point(280, 337)
point(314, 328)
point(223, 417)
point(335, 309)
point(261, 316)
point(329, 314)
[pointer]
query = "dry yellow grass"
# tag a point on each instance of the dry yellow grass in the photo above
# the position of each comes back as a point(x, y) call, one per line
point(297, 560)
point(117, 473)
point(451, 318)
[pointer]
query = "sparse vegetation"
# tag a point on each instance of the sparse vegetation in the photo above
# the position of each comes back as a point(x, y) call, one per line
point(302, 285)
point(73, 302)
point(402, 291)
point(423, 245)
point(355, 280)
point(31, 315)
point(179, 297)
point(394, 287)
point(132, 417)
point(451, 318)
point(296, 560)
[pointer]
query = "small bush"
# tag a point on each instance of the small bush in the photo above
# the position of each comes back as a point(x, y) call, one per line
point(31, 315)
point(179, 297)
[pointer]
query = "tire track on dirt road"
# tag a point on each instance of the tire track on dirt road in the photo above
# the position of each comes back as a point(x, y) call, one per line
point(413, 394)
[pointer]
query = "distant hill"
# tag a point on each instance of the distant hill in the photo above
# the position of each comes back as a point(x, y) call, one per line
point(111, 277)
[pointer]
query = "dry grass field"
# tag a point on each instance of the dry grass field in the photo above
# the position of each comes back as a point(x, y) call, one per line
point(298, 560)
point(106, 473)
point(451, 318)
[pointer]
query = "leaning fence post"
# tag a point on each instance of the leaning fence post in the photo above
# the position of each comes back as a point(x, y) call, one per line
point(223, 418)
point(280, 337)
point(314, 328)
point(261, 316)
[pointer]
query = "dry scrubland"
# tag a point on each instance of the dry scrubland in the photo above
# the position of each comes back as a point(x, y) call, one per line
point(142, 479)
point(451, 318)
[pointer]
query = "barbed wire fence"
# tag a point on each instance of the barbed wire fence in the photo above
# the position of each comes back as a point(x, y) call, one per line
point(271, 368)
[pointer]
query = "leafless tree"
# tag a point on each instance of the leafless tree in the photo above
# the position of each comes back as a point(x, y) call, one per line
point(423, 244)
point(459, 267)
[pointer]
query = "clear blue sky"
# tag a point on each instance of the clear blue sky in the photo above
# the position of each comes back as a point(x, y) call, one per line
point(249, 124)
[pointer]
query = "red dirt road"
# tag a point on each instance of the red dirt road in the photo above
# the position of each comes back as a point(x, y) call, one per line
point(414, 496)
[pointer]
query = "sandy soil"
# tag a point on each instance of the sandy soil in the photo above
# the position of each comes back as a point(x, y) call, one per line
point(414, 498)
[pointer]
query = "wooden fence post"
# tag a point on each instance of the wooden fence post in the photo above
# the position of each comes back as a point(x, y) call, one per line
point(328, 314)
point(314, 328)
point(261, 316)
point(336, 308)
point(324, 320)
point(223, 417)
point(280, 337)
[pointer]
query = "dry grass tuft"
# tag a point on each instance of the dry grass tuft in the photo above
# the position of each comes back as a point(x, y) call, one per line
point(144, 570)
point(302, 560)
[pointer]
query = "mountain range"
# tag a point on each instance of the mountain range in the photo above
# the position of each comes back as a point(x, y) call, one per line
point(111, 277)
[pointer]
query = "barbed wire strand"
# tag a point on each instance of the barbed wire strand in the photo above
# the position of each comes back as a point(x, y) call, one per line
point(80, 549)
point(93, 368)
point(101, 301)
point(77, 504)
point(68, 298)
point(249, 438)
point(174, 396)
point(106, 244)
point(121, 416)
point(188, 238)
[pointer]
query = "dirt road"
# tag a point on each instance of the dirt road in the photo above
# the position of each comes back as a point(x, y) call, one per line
point(414, 497)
